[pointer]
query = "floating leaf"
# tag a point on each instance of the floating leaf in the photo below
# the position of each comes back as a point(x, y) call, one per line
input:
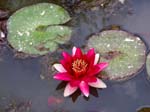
point(148, 64)
point(124, 52)
point(37, 29)
point(144, 109)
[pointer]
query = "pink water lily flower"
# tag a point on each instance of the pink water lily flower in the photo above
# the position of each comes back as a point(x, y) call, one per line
point(80, 71)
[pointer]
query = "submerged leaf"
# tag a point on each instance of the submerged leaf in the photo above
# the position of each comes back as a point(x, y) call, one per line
point(124, 52)
point(37, 29)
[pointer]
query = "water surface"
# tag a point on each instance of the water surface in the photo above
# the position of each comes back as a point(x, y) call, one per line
point(20, 78)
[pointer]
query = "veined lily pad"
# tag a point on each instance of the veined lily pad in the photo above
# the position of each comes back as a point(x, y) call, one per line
point(148, 64)
point(37, 29)
point(124, 52)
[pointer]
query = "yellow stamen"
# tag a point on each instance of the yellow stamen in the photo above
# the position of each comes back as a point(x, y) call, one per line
point(79, 65)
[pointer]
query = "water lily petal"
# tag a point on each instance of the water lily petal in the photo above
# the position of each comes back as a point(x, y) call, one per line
point(97, 68)
point(74, 50)
point(59, 67)
point(84, 87)
point(66, 65)
point(90, 53)
point(62, 76)
point(102, 65)
point(91, 57)
point(75, 82)
point(96, 59)
point(69, 90)
point(78, 53)
point(90, 79)
point(98, 84)
point(67, 56)
point(94, 70)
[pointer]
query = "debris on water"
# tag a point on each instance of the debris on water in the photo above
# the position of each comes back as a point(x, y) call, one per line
point(115, 7)
point(121, 1)
point(108, 6)
point(42, 77)
point(15, 106)
point(4, 14)
point(88, 4)
point(21, 55)
point(2, 35)
point(3, 32)
point(46, 65)
point(3, 26)
point(2, 38)
point(111, 54)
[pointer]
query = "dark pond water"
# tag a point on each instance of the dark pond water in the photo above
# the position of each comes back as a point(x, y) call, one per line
point(20, 78)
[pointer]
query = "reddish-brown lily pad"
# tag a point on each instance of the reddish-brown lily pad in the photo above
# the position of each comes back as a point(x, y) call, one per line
point(124, 52)
point(144, 109)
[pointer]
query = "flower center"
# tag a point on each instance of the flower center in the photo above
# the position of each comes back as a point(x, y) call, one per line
point(79, 66)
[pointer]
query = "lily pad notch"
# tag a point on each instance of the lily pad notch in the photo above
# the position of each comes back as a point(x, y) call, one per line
point(38, 29)
point(124, 52)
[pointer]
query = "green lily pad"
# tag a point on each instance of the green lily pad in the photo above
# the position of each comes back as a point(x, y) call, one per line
point(148, 64)
point(124, 52)
point(37, 29)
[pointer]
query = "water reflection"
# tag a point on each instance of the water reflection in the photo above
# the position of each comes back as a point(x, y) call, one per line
point(74, 97)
